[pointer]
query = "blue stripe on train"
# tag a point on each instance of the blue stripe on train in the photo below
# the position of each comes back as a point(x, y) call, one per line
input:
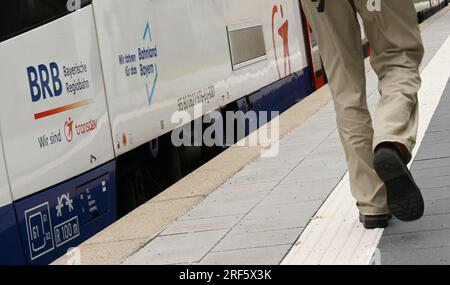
point(10, 246)
point(284, 93)
point(281, 95)
point(66, 215)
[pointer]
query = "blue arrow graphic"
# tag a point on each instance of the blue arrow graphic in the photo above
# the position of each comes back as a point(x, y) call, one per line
point(150, 94)
point(147, 32)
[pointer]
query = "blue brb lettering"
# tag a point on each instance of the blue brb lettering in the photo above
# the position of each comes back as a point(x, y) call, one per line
point(44, 82)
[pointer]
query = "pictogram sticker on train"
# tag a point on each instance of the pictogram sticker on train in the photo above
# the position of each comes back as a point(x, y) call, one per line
point(39, 230)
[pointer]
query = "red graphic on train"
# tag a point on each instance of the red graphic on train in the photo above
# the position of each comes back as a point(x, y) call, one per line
point(282, 31)
point(68, 130)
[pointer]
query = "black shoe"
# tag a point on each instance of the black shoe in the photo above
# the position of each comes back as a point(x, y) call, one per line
point(375, 222)
point(404, 198)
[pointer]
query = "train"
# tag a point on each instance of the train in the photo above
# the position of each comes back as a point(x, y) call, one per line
point(89, 89)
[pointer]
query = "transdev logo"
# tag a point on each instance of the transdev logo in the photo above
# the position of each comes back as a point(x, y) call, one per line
point(68, 130)
point(72, 129)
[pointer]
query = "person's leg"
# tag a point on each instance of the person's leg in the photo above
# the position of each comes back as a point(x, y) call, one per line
point(340, 45)
point(397, 51)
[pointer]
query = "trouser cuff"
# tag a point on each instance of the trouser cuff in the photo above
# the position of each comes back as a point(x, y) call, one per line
point(372, 211)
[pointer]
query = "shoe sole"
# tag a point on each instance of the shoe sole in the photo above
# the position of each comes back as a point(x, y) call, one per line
point(404, 197)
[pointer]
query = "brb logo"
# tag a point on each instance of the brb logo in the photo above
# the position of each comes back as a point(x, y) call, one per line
point(280, 32)
point(44, 81)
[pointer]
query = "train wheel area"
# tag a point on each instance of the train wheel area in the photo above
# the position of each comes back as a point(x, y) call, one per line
point(241, 207)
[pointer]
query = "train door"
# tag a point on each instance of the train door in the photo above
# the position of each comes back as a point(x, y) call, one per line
point(313, 55)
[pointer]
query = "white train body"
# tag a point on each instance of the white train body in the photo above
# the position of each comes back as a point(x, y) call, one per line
point(191, 54)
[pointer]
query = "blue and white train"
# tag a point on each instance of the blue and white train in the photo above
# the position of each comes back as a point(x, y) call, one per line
point(88, 89)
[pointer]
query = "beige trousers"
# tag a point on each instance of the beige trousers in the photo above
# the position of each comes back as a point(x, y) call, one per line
point(397, 52)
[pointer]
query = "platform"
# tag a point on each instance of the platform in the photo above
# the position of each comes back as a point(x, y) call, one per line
point(296, 208)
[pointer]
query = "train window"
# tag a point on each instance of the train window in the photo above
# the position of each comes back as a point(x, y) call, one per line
point(247, 45)
point(19, 16)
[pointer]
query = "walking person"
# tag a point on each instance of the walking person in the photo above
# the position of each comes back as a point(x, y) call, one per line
point(378, 151)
